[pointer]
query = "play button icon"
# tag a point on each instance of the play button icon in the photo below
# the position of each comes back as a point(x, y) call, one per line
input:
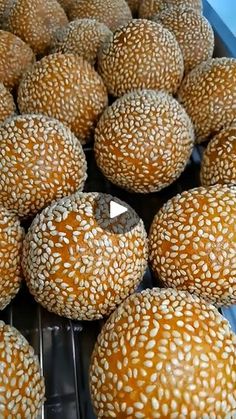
point(116, 209)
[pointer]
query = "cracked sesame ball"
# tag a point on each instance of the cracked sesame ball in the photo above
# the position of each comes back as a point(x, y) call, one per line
point(15, 58)
point(83, 37)
point(66, 87)
point(78, 262)
point(192, 31)
point(21, 382)
point(7, 104)
point(164, 354)
point(149, 8)
point(113, 13)
point(193, 243)
point(208, 94)
point(40, 160)
point(219, 158)
point(143, 141)
point(11, 240)
point(141, 55)
point(36, 22)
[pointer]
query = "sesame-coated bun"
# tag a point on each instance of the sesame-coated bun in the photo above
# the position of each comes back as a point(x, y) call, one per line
point(11, 238)
point(149, 8)
point(141, 55)
point(7, 104)
point(192, 31)
point(208, 94)
point(164, 354)
point(113, 13)
point(219, 159)
point(65, 87)
point(36, 22)
point(134, 6)
point(83, 271)
point(15, 58)
point(21, 381)
point(147, 150)
point(193, 243)
point(40, 160)
point(83, 37)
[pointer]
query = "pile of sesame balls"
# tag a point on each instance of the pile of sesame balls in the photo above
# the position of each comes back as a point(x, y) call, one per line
point(136, 82)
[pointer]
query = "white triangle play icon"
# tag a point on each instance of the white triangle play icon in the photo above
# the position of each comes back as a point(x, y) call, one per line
point(116, 209)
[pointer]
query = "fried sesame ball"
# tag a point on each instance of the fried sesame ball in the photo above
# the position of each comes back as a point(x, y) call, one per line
point(11, 239)
point(40, 160)
point(36, 22)
point(164, 354)
point(7, 104)
point(113, 13)
point(193, 243)
point(143, 141)
point(219, 159)
point(192, 31)
point(141, 55)
point(21, 381)
point(208, 94)
point(75, 267)
point(15, 58)
point(149, 8)
point(83, 37)
point(65, 87)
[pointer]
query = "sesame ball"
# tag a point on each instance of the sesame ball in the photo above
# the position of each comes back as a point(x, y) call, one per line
point(192, 31)
point(113, 13)
point(21, 382)
point(15, 58)
point(83, 271)
point(219, 159)
point(193, 243)
point(141, 55)
point(83, 37)
point(7, 104)
point(36, 22)
point(40, 160)
point(149, 8)
point(208, 94)
point(11, 239)
point(77, 96)
point(143, 141)
point(164, 354)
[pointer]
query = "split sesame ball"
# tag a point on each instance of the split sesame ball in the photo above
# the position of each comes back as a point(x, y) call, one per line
point(219, 158)
point(164, 354)
point(21, 381)
point(141, 55)
point(193, 243)
point(149, 8)
point(143, 141)
point(82, 37)
point(66, 87)
point(77, 268)
point(192, 31)
point(15, 58)
point(11, 240)
point(7, 104)
point(208, 94)
point(40, 160)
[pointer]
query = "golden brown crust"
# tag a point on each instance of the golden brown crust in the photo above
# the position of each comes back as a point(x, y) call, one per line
point(7, 104)
point(149, 8)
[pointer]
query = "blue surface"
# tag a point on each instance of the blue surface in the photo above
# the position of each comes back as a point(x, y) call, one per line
point(226, 9)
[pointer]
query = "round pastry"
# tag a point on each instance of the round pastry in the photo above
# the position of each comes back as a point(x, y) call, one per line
point(192, 31)
point(11, 239)
point(83, 270)
point(141, 55)
point(7, 104)
point(83, 37)
point(208, 94)
point(41, 160)
point(193, 243)
point(76, 97)
point(219, 159)
point(164, 354)
point(143, 141)
point(36, 22)
point(134, 6)
point(149, 8)
point(113, 13)
point(15, 58)
point(21, 382)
